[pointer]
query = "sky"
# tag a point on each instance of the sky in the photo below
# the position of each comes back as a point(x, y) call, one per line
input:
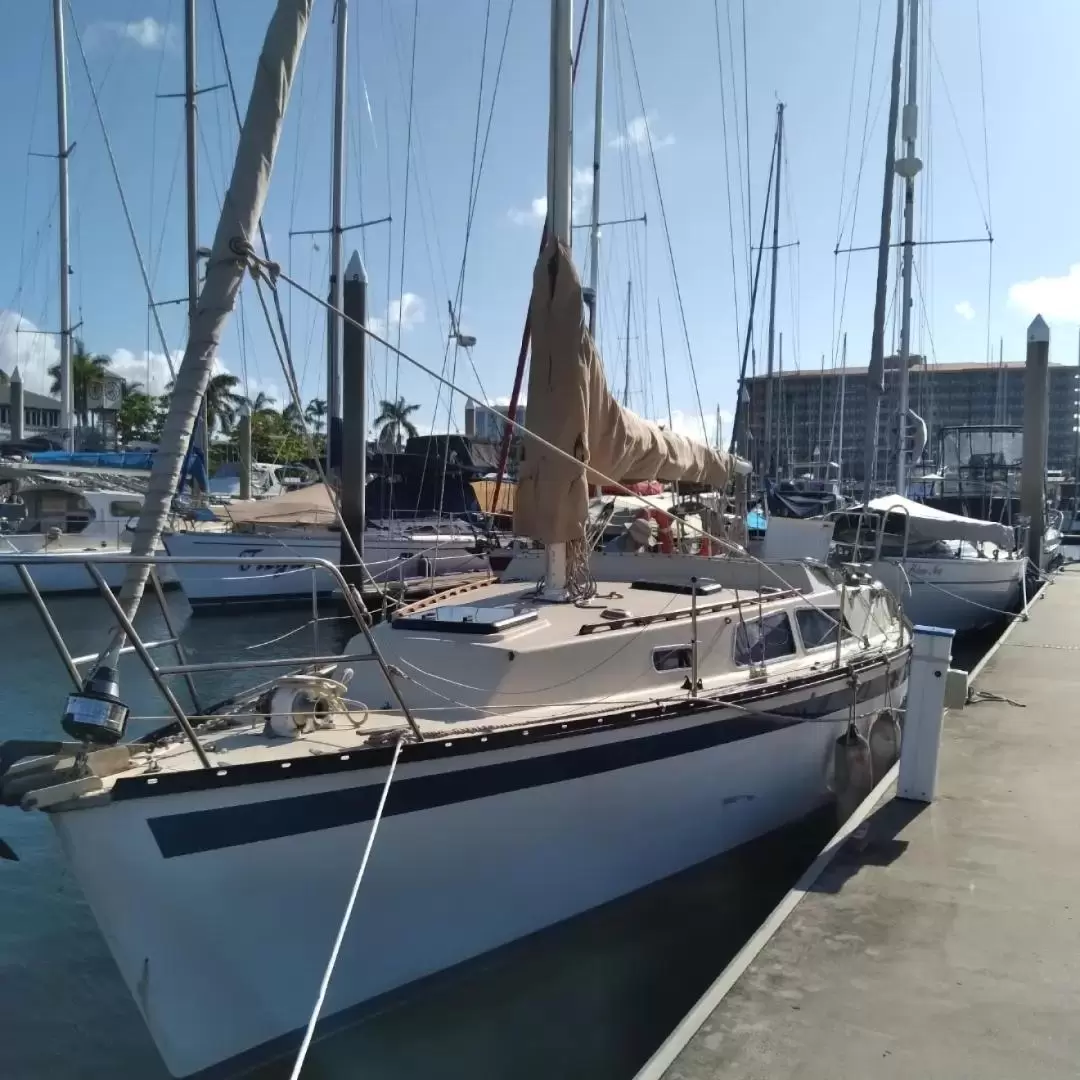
point(688, 131)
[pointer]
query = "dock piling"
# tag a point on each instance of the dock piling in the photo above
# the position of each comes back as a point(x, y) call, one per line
point(1036, 413)
point(930, 655)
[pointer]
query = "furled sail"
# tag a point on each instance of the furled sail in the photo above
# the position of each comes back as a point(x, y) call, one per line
point(571, 407)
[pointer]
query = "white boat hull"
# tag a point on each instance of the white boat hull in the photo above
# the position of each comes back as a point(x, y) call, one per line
point(220, 905)
point(960, 594)
point(254, 582)
point(64, 577)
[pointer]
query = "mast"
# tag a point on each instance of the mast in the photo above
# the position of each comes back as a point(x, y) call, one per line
point(626, 376)
point(821, 417)
point(769, 463)
point(840, 436)
point(67, 417)
point(334, 325)
point(779, 406)
point(191, 161)
point(560, 164)
point(908, 167)
point(1003, 386)
point(598, 146)
point(875, 376)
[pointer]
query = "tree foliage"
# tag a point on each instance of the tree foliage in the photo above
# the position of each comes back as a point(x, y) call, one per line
point(394, 420)
point(85, 368)
point(140, 417)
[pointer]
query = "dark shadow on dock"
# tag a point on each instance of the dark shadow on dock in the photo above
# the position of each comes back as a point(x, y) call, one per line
point(875, 843)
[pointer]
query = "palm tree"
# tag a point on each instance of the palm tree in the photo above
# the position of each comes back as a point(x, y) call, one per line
point(222, 401)
point(262, 403)
point(84, 370)
point(293, 417)
point(315, 414)
point(394, 417)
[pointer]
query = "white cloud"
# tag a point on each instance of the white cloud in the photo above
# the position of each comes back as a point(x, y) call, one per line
point(965, 310)
point(637, 135)
point(533, 216)
point(23, 345)
point(146, 33)
point(690, 424)
point(1055, 298)
point(409, 310)
point(149, 370)
point(580, 201)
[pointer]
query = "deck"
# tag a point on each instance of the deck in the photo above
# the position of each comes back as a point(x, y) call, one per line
point(946, 943)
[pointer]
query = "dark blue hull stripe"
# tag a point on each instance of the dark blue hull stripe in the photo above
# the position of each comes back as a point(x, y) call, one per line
point(233, 826)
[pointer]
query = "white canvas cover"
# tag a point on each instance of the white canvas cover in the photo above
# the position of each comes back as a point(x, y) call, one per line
point(928, 524)
point(571, 407)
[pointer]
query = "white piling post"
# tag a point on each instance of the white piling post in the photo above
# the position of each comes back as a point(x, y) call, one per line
point(930, 655)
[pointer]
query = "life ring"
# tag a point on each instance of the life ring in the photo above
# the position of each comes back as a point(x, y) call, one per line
point(663, 528)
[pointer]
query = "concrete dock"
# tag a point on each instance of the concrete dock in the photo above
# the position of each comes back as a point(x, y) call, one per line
point(949, 944)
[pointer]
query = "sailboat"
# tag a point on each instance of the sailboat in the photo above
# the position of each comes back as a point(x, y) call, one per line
point(948, 570)
point(527, 751)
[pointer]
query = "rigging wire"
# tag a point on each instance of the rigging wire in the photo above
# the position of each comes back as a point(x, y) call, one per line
point(983, 207)
point(727, 180)
point(405, 206)
point(794, 282)
point(262, 229)
point(17, 299)
point(838, 321)
point(667, 231)
point(986, 164)
point(155, 256)
point(153, 181)
point(747, 221)
point(746, 122)
point(456, 305)
point(632, 186)
point(120, 190)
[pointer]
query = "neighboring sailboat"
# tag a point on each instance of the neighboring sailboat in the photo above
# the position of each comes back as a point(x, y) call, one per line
point(948, 570)
point(422, 520)
point(560, 745)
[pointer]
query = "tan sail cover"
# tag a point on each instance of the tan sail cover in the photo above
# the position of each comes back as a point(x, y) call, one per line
point(303, 506)
point(571, 407)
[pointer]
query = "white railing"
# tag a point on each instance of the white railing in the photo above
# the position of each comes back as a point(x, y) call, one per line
point(93, 561)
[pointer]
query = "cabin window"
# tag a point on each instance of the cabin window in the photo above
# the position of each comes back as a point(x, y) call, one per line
point(817, 627)
point(673, 657)
point(125, 508)
point(767, 638)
